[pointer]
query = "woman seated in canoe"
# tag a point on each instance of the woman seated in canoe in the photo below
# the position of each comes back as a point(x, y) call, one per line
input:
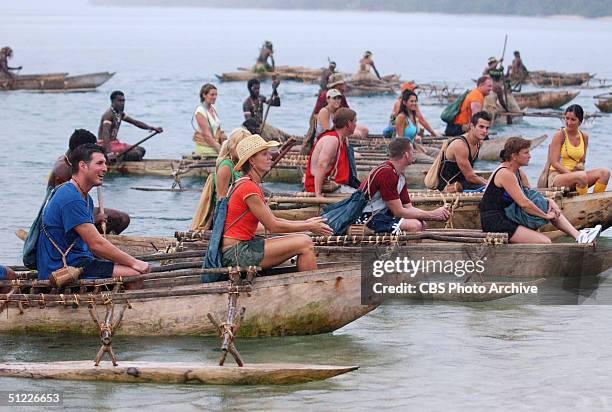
point(218, 184)
point(506, 186)
point(567, 154)
point(325, 118)
point(247, 208)
point(411, 104)
point(208, 135)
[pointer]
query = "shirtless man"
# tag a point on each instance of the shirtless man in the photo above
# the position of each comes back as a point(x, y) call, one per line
point(457, 169)
point(364, 68)
point(517, 72)
point(116, 221)
point(253, 105)
point(265, 53)
point(109, 128)
point(6, 53)
point(325, 76)
point(328, 167)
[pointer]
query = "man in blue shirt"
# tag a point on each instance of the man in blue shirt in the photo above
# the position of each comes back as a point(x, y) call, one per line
point(6, 273)
point(68, 235)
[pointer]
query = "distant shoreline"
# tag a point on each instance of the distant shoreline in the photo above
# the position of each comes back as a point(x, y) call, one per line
point(362, 6)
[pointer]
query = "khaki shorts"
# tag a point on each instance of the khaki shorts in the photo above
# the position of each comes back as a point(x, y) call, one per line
point(551, 177)
point(244, 253)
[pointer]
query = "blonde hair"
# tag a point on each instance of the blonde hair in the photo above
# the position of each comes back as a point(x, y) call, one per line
point(235, 137)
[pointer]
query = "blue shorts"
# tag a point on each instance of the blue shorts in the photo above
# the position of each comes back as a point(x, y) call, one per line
point(380, 223)
point(95, 268)
point(3, 273)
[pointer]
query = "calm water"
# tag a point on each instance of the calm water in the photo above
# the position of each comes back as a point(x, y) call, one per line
point(425, 357)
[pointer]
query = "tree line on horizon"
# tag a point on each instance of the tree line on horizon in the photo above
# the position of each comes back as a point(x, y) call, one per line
point(586, 8)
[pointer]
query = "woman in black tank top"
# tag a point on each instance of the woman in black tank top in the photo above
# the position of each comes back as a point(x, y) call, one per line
point(505, 187)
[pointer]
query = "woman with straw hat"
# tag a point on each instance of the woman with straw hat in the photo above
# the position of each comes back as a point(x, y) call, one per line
point(247, 208)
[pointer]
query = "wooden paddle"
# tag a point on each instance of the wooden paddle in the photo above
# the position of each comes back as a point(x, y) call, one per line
point(120, 155)
point(263, 123)
point(101, 209)
point(284, 149)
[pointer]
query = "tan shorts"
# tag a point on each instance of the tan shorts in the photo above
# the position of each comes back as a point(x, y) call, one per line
point(551, 177)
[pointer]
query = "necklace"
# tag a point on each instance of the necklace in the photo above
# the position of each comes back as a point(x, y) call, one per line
point(79, 187)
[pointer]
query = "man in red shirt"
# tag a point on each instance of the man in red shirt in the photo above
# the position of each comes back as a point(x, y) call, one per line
point(389, 209)
point(328, 167)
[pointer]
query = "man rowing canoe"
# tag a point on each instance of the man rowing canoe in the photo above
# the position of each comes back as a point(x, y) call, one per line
point(116, 220)
point(5, 70)
point(254, 104)
point(109, 128)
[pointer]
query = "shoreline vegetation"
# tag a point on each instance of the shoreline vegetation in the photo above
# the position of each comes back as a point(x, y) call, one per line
point(528, 8)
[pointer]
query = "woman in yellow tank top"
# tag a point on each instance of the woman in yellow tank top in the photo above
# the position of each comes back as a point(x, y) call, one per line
point(567, 154)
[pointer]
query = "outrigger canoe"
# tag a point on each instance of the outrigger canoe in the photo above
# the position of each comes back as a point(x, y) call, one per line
point(175, 372)
point(56, 82)
point(605, 105)
point(544, 100)
point(281, 173)
point(285, 303)
point(502, 260)
point(555, 79)
point(297, 73)
point(582, 211)
point(386, 85)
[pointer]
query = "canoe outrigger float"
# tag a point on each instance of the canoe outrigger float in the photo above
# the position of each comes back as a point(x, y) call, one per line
point(175, 372)
point(56, 82)
point(544, 100)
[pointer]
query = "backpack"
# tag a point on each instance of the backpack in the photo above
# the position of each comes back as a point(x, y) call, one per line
point(31, 241)
point(452, 110)
point(213, 253)
point(432, 178)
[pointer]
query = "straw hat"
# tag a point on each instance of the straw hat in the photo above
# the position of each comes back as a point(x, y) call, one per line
point(492, 60)
point(251, 145)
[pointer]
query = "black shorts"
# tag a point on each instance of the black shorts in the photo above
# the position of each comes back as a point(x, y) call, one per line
point(496, 221)
point(95, 268)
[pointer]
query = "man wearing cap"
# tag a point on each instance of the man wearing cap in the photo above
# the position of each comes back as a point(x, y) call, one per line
point(247, 208)
point(109, 129)
point(325, 75)
point(473, 103)
point(328, 167)
point(495, 71)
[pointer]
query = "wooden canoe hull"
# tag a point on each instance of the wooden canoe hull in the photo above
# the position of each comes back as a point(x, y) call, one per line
point(605, 105)
point(544, 100)
point(301, 303)
point(60, 82)
point(534, 261)
point(175, 372)
point(582, 211)
point(554, 79)
point(296, 73)
point(279, 174)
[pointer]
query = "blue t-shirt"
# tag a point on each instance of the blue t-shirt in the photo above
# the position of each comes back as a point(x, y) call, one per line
point(2, 273)
point(65, 211)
